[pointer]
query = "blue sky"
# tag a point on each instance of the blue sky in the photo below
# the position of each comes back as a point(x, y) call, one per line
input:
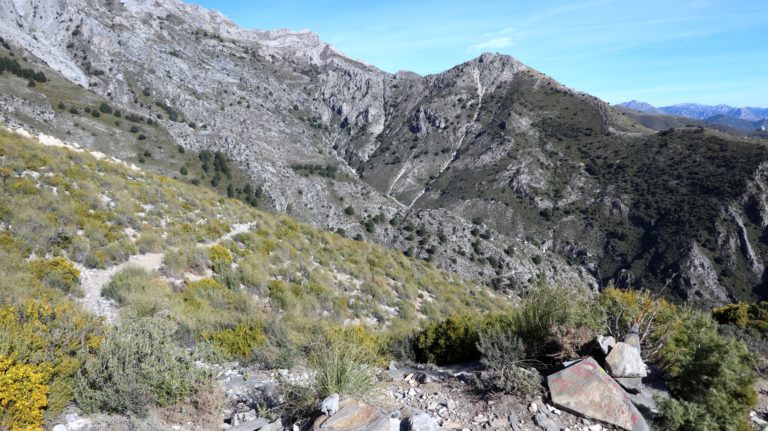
point(662, 52)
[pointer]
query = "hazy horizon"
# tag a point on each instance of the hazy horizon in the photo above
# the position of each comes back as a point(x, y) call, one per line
point(663, 53)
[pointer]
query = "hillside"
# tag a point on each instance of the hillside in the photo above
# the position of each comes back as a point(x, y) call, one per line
point(518, 170)
point(125, 296)
point(69, 216)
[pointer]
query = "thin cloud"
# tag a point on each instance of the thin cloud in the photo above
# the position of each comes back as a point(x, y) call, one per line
point(496, 43)
point(501, 32)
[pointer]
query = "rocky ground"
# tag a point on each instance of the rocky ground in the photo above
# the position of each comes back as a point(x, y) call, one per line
point(407, 397)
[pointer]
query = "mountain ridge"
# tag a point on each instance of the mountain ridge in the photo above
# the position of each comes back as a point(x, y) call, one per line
point(490, 169)
point(752, 118)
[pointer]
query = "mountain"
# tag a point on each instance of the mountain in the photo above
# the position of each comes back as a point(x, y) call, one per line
point(491, 169)
point(641, 107)
point(740, 118)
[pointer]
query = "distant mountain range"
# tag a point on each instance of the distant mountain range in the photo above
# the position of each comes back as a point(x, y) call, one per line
point(747, 118)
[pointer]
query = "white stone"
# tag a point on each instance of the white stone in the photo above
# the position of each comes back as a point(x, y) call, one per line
point(625, 361)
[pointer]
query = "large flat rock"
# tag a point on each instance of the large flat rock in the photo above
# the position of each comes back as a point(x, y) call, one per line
point(353, 415)
point(587, 390)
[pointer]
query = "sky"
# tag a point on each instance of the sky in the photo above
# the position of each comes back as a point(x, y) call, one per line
point(660, 52)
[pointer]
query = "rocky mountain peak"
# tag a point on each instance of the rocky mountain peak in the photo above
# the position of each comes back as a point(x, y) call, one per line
point(490, 169)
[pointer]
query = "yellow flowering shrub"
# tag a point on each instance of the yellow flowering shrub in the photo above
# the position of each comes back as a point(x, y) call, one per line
point(53, 336)
point(57, 273)
point(237, 342)
point(23, 395)
point(220, 257)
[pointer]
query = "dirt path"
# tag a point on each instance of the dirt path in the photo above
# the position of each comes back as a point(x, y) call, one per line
point(92, 281)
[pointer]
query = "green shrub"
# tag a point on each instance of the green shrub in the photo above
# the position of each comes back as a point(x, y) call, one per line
point(553, 321)
point(504, 355)
point(712, 377)
point(219, 257)
point(149, 242)
point(344, 367)
point(453, 339)
point(751, 317)
point(281, 350)
point(142, 292)
point(138, 365)
point(713, 383)
point(238, 342)
point(57, 273)
point(655, 316)
point(187, 258)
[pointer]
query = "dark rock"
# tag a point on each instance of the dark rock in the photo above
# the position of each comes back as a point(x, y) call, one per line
point(423, 378)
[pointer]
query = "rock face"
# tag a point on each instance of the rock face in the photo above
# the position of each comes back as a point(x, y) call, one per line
point(625, 361)
point(490, 169)
point(587, 390)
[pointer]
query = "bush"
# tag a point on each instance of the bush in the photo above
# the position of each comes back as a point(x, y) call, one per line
point(149, 242)
point(186, 258)
point(554, 321)
point(138, 365)
point(343, 367)
point(451, 340)
point(655, 317)
point(51, 336)
point(504, 356)
point(141, 291)
point(238, 342)
point(712, 377)
point(751, 317)
point(57, 273)
point(219, 257)
point(23, 395)
point(105, 108)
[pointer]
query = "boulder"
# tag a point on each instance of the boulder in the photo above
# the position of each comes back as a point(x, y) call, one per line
point(423, 378)
point(330, 405)
point(633, 385)
point(421, 422)
point(633, 337)
point(605, 343)
point(353, 415)
point(59, 427)
point(645, 400)
point(625, 361)
point(585, 389)
point(545, 422)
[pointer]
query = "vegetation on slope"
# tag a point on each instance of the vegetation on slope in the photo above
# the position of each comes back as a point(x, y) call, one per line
point(263, 295)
